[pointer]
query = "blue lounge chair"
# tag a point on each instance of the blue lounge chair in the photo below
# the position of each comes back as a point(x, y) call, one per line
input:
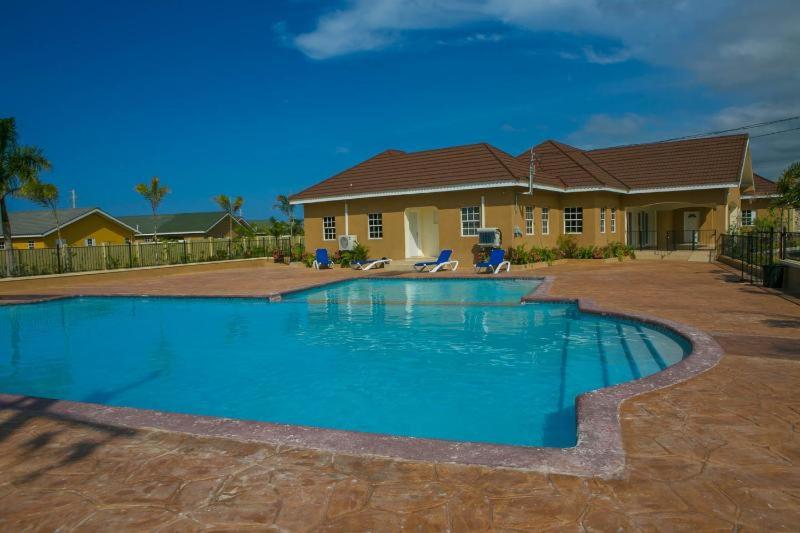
point(366, 264)
point(495, 263)
point(321, 259)
point(442, 261)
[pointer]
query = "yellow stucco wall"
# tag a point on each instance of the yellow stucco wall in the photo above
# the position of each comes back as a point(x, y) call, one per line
point(96, 226)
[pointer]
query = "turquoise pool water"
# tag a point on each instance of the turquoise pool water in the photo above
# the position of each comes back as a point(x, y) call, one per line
point(339, 358)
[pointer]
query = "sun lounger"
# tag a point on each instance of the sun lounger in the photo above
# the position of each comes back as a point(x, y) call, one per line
point(442, 261)
point(321, 259)
point(366, 264)
point(495, 263)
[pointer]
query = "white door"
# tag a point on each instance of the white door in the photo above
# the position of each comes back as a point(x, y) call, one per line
point(691, 223)
point(413, 248)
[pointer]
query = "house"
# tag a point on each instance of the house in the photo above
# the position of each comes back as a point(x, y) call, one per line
point(758, 202)
point(668, 195)
point(185, 226)
point(87, 226)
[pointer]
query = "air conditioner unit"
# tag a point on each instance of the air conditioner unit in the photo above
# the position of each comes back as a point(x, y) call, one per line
point(347, 242)
point(489, 237)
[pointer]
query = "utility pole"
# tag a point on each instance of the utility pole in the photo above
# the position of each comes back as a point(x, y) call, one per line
point(74, 198)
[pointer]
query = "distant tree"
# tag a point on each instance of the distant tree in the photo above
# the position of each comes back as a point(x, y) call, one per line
point(20, 166)
point(283, 205)
point(46, 195)
point(275, 227)
point(154, 193)
point(231, 206)
point(789, 187)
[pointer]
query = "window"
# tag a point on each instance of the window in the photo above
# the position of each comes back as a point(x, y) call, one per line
point(90, 241)
point(375, 225)
point(613, 220)
point(602, 220)
point(573, 220)
point(329, 228)
point(31, 245)
point(529, 220)
point(470, 221)
point(2, 245)
point(545, 221)
point(747, 217)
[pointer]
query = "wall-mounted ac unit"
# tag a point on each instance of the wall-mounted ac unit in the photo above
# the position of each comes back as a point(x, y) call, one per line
point(347, 242)
point(489, 237)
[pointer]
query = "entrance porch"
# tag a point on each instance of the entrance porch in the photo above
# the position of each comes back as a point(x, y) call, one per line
point(671, 226)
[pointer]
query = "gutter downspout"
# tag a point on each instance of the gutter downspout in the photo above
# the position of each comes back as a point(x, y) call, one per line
point(346, 220)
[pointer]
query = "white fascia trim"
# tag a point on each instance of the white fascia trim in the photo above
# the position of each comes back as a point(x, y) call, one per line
point(172, 233)
point(759, 196)
point(684, 188)
point(744, 158)
point(93, 211)
point(36, 236)
point(403, 192)
point(496, 184)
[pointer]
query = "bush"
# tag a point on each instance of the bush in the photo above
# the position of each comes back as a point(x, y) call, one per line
point(518, 255)
point(567, 247)
point(345, 257)
point(585, 252)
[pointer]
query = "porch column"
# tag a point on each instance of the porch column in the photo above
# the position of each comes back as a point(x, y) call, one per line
point(346, 220)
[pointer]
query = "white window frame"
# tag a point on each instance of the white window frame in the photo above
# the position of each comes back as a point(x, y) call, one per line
point(573, 219)
point(751, 218)
point(328, 223)
point(602, 220)
point(545, 221)
point(470, 216)
point(374, 226)
point(530, 221)
point(31, 245)
point(89, 241)
point(613, 220)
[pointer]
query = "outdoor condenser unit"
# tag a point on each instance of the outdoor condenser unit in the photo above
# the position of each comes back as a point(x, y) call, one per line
point(347, 242)
point(489, 237)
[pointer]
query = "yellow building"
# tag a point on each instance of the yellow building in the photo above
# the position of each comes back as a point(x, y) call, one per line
point(759, 203)
point(89, 226)
point(671, 195)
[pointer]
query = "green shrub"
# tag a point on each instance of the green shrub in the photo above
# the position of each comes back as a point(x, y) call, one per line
point(345, 257)
point(585, 252)
point(518, 256)
point(567, 246)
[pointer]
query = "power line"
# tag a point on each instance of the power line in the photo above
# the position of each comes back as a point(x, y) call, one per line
point(756, 125)
point(773, 133)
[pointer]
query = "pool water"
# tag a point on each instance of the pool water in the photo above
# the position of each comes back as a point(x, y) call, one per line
point(504, 374)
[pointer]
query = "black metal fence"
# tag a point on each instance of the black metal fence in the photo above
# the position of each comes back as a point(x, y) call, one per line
point(673, 240)
point(63, 259)
point(755, 252)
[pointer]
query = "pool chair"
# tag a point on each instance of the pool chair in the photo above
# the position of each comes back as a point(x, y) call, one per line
point(495, 263)
point(366, 264)
point(442, 261)
point(321, 259)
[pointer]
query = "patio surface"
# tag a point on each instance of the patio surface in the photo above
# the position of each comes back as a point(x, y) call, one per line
point(718, 452)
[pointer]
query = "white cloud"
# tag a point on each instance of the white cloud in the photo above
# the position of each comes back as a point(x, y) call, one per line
point(608, 130)
point(508, 128)
point(342, 150)
point(618, 55)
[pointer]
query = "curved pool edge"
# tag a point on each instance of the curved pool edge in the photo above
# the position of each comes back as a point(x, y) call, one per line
point(599, 450)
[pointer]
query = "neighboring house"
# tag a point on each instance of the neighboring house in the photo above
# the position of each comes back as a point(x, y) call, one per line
point(184, 226)
point(759, 201)
point(88, 226)
point(678, 194)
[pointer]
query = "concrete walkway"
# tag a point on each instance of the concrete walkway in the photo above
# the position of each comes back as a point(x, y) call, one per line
point(720, 451)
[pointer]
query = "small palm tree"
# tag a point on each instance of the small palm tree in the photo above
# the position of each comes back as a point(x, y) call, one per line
point(231, 206)
point(283, 205)
point(154, 193)
point(46, 195)
point(789, 186)
point(19, 168)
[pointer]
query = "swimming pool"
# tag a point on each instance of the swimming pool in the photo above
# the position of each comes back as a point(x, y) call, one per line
point(341, 357)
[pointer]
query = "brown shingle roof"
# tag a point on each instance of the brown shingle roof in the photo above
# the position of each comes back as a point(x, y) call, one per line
point(763, 186)
point(696, 162)
point(706, 161)
point(394, 170)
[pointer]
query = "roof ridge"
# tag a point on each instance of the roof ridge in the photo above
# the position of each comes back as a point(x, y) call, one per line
point(491, 150)
point(674, 141)
point(556, 144)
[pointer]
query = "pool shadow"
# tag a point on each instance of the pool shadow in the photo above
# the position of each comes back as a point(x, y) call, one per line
point(105, 396)
point(560, 430)
point(29, 416)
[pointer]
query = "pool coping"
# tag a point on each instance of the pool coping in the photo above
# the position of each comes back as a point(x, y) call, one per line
point(599, 450)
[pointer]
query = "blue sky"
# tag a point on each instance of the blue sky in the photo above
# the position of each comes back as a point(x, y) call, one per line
point(265, 98)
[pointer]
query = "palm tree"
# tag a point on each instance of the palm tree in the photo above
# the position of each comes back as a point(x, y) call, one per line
point(19, 167)
point(46, 195)
point(154, 193)
point(232, 207)
point(789, 190)
point(283, 205)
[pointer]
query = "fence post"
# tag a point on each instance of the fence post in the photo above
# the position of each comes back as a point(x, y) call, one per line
point(58, 255)
point(130, 254)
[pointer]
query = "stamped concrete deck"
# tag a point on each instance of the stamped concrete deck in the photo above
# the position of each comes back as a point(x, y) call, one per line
point(720, 451)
